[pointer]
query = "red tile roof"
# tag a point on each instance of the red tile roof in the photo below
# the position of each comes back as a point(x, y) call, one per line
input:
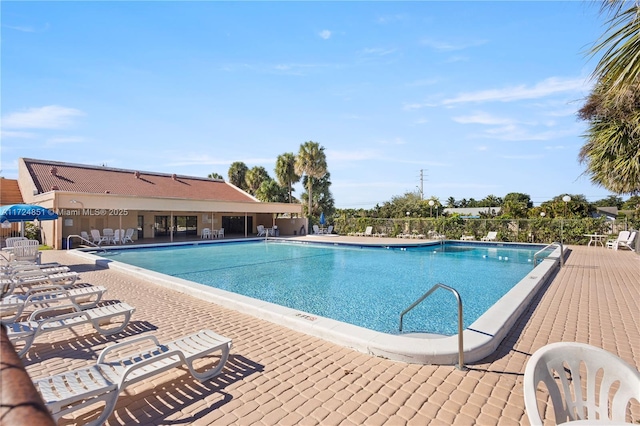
point(10, 192)
point(53, 175)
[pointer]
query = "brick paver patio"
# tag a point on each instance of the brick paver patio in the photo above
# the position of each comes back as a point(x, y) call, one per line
point(279, 376)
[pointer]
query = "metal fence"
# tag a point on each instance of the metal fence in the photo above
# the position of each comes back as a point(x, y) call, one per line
point(540, 230)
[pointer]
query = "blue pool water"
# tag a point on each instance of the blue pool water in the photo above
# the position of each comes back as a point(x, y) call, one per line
point(364, 286)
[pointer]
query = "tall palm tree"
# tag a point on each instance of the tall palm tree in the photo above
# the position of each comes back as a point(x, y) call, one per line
point(619, 65)
point(237, 173)
point(311, 161)
point(215, 175)
point(612, 151)
point(254, 177)
point(286, 171)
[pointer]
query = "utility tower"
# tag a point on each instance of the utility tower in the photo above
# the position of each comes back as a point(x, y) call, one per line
point(421, 188)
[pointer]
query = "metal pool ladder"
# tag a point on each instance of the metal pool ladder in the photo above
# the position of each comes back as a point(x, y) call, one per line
point(556, 244)
point(460, 364)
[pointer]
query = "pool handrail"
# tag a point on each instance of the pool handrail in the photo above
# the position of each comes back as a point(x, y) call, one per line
point(460, 365)
point(85, 240)
point(556, 244)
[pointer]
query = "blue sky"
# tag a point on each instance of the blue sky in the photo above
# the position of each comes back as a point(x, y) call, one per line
point(481, 96)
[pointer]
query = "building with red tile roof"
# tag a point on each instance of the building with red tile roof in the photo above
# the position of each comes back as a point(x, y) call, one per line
point(154, 204)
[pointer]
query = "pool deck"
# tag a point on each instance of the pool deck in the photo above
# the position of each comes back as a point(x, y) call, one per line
point(279, 376)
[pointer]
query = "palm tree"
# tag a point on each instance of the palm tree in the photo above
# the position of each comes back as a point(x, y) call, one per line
point(254, 178)
point(612, 151)
point(237, 174)
point(312, 162)
point(286, 171)
point(215, 175)
point(271, 192)
point(619, 65)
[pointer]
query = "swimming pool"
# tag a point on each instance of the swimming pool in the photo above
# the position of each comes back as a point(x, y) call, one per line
point(364, 286)
point(481, 337)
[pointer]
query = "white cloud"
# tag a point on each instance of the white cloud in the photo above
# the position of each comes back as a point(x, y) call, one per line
point(548, 87)
point(482, 118)
point(47, 117)
point(451, 46)
point(325, 34)
point(378, 51)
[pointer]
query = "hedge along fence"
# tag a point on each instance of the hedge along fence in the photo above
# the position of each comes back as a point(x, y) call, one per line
point(539, 230)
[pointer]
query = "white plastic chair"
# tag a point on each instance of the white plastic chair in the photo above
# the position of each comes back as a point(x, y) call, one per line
point(491, 236)
point(12, 240)
point(206, 233)
point(128, 236)
point(613, 243)
point(567, 369)
point(220, 233)
point(26, 251)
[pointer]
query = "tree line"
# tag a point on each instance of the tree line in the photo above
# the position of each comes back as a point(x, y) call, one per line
point(309, 165)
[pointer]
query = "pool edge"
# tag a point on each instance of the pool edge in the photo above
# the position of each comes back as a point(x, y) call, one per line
point(481, 338)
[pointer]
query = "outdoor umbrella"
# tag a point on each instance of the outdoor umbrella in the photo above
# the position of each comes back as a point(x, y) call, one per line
point(25, 213)
point(322, 220)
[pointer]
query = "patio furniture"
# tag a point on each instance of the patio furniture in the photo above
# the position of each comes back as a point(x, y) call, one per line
point(206, 233)
point(26, 251)
point(27, 331)
point(107, 233)
point(11, 240)
point(622, 242)
point(220, 233)
point(128, 236)
point(261, 231)
point(103, 381)
point(97, 238)
point(567, 369)
point(491, 236)
point(14, 306)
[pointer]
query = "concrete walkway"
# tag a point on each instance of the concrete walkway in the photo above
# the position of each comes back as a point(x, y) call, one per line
point(279, 376)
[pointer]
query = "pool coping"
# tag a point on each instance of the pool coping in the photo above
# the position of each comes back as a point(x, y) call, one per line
point(481, 338)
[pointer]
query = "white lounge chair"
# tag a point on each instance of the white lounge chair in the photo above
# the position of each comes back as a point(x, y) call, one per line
point(330, 229)
point(85, 235)
point(118, 236)
point(29, 278)
point(261, 231)
point(628, 242)
point(625, 238)
point(27, 331)
point(128, 236)
point(107, 234)
point(97, 238)
point(368, 232)
point(609, 381)
point(613, 242)
point(316, 230)
point(103, 381)
point(491, 236)
point(14, 306)
point(26, 251)
point(11, 240)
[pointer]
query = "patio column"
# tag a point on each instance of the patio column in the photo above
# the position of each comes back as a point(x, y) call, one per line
point(171, 226)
